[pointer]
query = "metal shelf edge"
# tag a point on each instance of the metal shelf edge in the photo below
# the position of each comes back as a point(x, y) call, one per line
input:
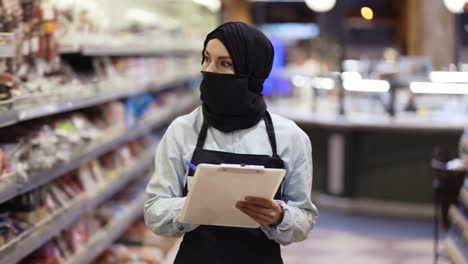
point(113, 231)
point(95, 151)
point(8, 187)
point(59, 170)
point(136, 170)
point(38, 235)
point(135, 51)
point(16, 116)
point(9, 118)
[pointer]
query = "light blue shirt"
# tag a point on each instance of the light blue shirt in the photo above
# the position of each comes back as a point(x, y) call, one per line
point(165, 189)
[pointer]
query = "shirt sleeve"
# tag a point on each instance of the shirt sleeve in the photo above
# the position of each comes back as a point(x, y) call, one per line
point(300, 214)
point(165, 189)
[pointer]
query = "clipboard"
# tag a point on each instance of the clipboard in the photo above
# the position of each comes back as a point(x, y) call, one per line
point(216, 189)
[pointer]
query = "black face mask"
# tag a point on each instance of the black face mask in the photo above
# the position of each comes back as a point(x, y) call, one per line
point(228, 103)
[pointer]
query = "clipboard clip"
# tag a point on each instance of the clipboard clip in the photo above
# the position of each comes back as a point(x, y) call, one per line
point(242, 166)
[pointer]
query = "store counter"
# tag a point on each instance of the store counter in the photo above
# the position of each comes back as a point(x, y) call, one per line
point(376, 158)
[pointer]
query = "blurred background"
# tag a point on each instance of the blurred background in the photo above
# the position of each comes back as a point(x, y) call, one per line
point(87, 88)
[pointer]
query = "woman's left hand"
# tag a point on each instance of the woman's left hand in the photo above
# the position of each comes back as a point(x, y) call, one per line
point(263, 211)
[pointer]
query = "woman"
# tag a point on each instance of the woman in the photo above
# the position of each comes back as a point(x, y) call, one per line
point(233, 126)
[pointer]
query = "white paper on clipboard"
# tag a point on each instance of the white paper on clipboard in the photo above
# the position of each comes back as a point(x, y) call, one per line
point(215, 190)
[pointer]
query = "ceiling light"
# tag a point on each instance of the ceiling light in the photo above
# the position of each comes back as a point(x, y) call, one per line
point(438, 88)
point(320, 5)
point(455, 6)
point(449, 77)
point(375, 86)
point(323, 83)
point(367, 13)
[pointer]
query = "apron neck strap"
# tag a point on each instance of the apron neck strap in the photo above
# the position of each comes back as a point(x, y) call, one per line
point(269, 128)
point(271, 132)
point(202, 135)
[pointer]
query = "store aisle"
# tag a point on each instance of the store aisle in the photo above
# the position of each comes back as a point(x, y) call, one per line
point(353, 239)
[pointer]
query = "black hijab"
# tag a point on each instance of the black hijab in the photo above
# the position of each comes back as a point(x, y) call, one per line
point(232, 102)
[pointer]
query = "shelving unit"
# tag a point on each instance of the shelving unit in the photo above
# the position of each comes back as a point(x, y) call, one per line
point(57, 221)
point(104, 238)
point(41, 233)
point(140, 50)
point(9, 118)
point(16, 116)
point(123, 84)
point(11, 188)
point(8, 187)
point(13, 185)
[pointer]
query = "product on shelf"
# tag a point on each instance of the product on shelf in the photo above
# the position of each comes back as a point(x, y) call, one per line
point(68, 243)
point(30, 50)
point(138, 244)
point(83, 25)
point(52, 144)
point(25, 211)
point(47, 254)
point(34, 147)
point(139, 234)
point(74, 240)
point(32, 68)
point(7, 83)
point(109, 167)
point(3, 163)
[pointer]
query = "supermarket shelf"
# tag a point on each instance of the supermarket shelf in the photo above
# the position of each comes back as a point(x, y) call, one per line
point(145, 161)
point(167, 83)
point(10, 189)
point(50, 227)
point(61, 107)
point(91, 154)
point(133, 51)
point(8, 186)
point(7, 119)
point(17, 116)
point(105, 238)
point(42, 232)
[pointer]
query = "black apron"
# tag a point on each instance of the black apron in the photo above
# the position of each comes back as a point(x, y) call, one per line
point(225, 245)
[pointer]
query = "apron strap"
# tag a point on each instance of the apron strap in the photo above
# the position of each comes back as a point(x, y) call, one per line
point(271, 132)
point(269, 128)
point(202, 134)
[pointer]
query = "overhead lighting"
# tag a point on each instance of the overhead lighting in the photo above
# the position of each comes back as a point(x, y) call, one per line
point(373, 86)
point(213, 5)
point(351, 65)
point(291, 31)
point(300, 81)
point(323, 83)
point(438, 88)
point(367, 13)
point(320, 6)
point(455, 6)
point(351, 76)
point(449, 77)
